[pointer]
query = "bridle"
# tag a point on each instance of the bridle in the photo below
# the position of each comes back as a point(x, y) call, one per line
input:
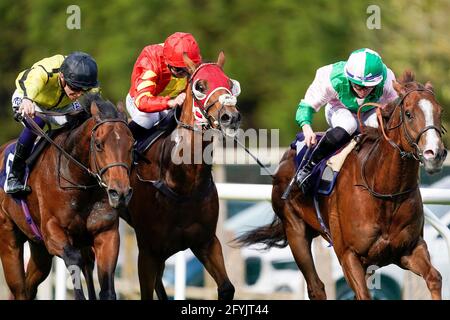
point(97, 172)
point(201, 103)
point(412, 142)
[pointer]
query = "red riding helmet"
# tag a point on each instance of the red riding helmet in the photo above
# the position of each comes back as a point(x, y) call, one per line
point(176, 44)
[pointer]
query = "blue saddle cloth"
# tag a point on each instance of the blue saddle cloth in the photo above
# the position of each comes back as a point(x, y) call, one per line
point(323, 178)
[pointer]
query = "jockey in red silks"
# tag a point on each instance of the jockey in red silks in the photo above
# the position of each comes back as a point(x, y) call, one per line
point(54, 83)
point(158, 80)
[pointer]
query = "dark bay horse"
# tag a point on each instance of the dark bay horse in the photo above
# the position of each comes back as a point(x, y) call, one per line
point(175, 203)
point(375, 213)
point(76, 209)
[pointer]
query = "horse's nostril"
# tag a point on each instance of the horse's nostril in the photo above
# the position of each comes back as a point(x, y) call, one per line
point(225, 118)
point(428, 154)
point(113, 194)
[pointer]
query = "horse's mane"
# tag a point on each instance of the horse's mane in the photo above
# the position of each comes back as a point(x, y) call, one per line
point(408, 82)
point(107, 110)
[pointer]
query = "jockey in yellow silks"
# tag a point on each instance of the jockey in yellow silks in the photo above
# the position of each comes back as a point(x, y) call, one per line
point(53, 83)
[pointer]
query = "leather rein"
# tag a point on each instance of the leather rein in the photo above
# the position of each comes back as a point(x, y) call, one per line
point(97, 173)
point(416, 154)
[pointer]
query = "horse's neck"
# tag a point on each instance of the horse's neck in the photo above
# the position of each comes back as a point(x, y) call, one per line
point(187, 114)
point(77, 144)
point(184, 164)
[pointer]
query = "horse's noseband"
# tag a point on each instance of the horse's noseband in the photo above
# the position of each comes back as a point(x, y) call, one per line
point(201, 102)
point(413, 143)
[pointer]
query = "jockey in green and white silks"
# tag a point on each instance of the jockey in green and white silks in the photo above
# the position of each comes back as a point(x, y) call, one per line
point(343, 87)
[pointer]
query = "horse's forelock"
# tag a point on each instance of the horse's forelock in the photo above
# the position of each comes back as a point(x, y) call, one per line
point(107, 110)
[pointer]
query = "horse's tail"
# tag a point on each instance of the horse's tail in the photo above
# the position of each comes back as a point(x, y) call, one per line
point(271, 235)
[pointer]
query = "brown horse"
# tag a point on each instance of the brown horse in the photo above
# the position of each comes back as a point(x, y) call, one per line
point(375, 213)
point(65, 202)
point(175, 203)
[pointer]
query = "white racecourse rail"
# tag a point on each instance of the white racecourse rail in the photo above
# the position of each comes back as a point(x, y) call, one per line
point(262, 192)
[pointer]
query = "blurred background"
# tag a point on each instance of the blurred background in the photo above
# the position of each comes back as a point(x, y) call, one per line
point(273, 48)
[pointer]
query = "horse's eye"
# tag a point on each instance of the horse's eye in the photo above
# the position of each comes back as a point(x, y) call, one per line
point(408, 114)
point(98, 145)
point(200, 86)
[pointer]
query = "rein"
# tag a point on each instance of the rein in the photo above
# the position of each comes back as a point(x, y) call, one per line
point(211, 120)
point(203, 109)
point(98, 173)
point(413, 143)
point(415, 154)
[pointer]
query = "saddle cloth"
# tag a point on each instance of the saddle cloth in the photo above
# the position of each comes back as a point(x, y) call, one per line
point(325, 173)
point(164, 126)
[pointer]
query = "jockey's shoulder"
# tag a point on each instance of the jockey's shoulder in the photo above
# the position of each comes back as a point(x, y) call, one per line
point(53, 62)
point(326, 69)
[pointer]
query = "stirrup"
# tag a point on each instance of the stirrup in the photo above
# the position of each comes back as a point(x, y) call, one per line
point(305, 184)
point(25, 190)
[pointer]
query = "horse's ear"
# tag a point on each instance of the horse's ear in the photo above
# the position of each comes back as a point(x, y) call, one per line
point(429, 86)
point(122, 113)
point(191, 66)
point(221, 59)
point(398, 87)
point(95, 111)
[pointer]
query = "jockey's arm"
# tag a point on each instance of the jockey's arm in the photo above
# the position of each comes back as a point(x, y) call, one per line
point(146, 102)
point(318, 94)
point(31, 82)
point(146, 99)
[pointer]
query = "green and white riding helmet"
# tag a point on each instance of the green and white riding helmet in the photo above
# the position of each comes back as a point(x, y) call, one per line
point(364, 67)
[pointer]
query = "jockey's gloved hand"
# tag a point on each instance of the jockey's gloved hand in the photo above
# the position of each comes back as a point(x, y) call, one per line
point(310, 136)
point(178, 101)
point(27, 107)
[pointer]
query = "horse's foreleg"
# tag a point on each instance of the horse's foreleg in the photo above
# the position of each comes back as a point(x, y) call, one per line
point(58, 244)
point(355, 275)
point(300, 244)
point(11, 253)
point(159, 286)
point(419, 263)
point(88, 268)
point(106, 246)
point(148, 269)
point(212, 258)
point(38, 268)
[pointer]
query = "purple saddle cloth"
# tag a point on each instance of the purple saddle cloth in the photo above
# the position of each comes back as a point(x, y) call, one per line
point(323, 178)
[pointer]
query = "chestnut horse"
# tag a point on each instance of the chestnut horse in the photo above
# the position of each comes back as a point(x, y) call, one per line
point(375, 213)
point(175, 204)
point(66, 195)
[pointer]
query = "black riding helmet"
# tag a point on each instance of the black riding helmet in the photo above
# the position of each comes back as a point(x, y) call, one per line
point(80, 71)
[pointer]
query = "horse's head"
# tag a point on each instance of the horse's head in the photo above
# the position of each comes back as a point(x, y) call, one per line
point(111, 147)
point(213, 96)
point(420, 117)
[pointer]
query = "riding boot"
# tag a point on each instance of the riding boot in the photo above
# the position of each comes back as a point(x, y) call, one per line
point(15, 183)
point(137, 130)
point(332, 141)
point(24, 146)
